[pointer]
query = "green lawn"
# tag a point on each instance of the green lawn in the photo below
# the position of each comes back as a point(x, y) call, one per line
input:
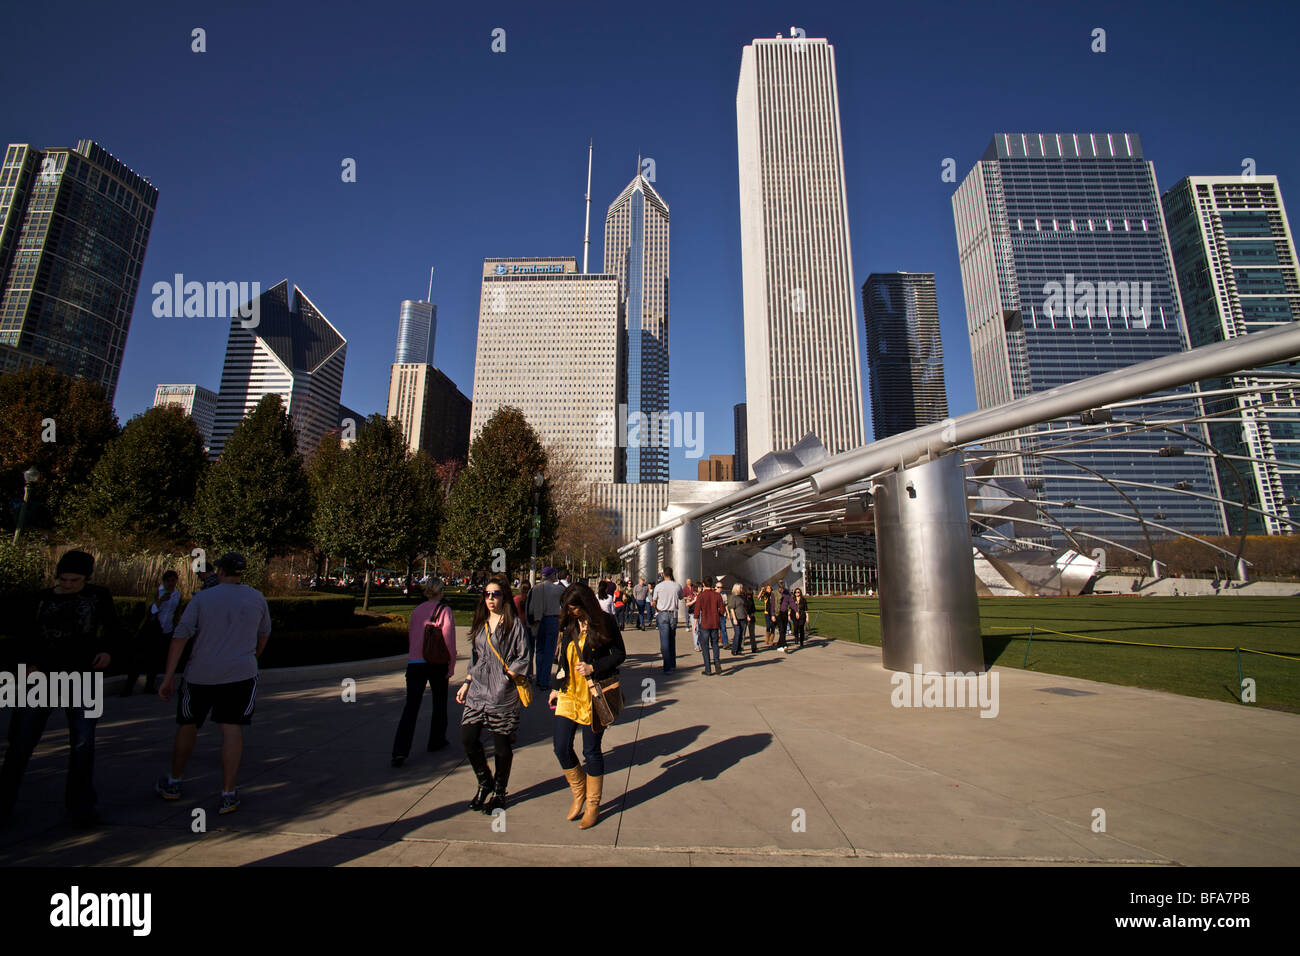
point(1061, 627)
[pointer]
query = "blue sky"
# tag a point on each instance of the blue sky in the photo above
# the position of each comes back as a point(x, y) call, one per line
point(463, 153)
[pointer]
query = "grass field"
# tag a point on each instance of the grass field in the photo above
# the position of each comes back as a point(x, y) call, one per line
point(1062, 627)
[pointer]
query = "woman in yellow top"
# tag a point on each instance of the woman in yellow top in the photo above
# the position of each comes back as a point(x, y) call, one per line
point(590, 646)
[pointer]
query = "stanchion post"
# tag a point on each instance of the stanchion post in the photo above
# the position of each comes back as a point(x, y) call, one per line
point(1025, 662)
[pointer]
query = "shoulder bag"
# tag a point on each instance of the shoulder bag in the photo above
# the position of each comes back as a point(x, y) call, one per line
point(522, 686)
point(435, 647)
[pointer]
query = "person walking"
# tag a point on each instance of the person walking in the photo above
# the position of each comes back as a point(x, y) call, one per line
point(230, 625)
point(738, 617)
point(150, 652)
point(543, 615)
point(72, 633)
point(688, 595)
point(498, 654)
point(752, 613)
point(708, 611)
point(768, 600)
point(605, 597)
point(640, 593)
point(431, 660)
point(591, 649)
point(665, 599)
point(800, 616)
point(783, 612)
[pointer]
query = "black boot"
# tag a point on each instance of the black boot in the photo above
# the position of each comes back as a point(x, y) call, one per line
point(484, 795)
point(504, 758)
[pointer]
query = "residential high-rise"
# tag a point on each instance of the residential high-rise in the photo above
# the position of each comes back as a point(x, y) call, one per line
point(717, 468)
point(1067, 274)
point(904, 352)
point(549, 345)
point(417, 326)
point(802, 367)
point(433, 412)
point(740, 432)
point(294, 351)
point(74, 224)
point(196, 401)
point(636, 250)
point(1235, 260)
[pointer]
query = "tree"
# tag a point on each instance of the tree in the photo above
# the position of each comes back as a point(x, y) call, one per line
point(581, 528)
point(381, 502)
point(322, 471)
point(145, 482)
point(58, 423)
point(255, 499)
point(492, 502)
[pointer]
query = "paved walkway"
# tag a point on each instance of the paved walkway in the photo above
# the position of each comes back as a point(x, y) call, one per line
point(711, 771)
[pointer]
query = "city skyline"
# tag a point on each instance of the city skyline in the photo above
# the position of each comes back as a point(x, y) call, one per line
point(904, 352)
point(363, 242)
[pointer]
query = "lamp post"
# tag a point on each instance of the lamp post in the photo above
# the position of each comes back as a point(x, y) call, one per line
point(30, 477)
point(535, 531)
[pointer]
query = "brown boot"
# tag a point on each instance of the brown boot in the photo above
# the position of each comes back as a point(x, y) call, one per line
point(593, 803)
point(578, 784)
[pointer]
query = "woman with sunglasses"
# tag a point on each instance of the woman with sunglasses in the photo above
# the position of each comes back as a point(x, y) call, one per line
point(591, 645)
point(498, 654)
point(800, 616)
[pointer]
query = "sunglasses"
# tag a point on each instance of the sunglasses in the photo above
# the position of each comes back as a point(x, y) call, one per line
point(490, 595)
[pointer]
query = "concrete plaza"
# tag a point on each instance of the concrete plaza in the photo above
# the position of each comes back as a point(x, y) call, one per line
point(796, 759)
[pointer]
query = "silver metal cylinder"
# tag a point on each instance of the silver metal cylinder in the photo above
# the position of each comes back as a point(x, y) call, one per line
point(686, 552)
point(929, 613)
point(649, 560)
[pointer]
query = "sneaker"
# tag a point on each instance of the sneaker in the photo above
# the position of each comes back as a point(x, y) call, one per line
point(167, 790)
point(229, 802)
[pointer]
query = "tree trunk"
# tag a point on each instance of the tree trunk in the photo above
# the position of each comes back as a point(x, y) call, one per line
point(365, 601)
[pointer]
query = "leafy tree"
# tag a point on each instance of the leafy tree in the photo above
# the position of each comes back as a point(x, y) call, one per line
point(322, 470)
point(376, 505)
point(255, 499)
point(492, 502)
point(58, 423)
point(145, 482)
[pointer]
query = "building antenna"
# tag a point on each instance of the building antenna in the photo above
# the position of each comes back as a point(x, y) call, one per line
point(586, 235)
point(430, 299)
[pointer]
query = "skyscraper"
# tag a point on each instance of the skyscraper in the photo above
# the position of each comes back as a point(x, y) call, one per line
point(417, 326)
point(74, 224)
point(433, 413)
point(196, 401)
point(549, 345)
point(1067, 274)
point(740, 434)
point(294, 351)
point(802, 367)
point(636, 250)
point(1235, 259)
point(904, 352)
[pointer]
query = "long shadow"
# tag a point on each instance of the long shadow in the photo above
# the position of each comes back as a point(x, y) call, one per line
point(345, 845)
point(703, 764)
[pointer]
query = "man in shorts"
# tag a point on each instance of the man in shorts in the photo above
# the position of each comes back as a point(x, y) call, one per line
point(232, 624)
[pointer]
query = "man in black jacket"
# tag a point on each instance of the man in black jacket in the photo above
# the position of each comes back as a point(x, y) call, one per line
point(75, 626)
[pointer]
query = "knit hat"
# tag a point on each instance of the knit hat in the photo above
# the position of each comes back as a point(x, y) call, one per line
point(76, 562)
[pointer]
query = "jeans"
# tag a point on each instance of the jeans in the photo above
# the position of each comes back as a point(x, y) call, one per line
point(593, 759)
point(709, 644)
point(641, 614)
point(419, 673)
point(149, 654)
point(738, 638)
point(544, 650)
point(620, 615)
point(26, 725)
point(782, 622)
point(800, 624)
point(667, 621)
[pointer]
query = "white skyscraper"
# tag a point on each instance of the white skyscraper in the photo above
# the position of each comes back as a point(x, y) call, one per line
point(196, 401)
point(802, 364)
point(548, 344)
point(294, 351)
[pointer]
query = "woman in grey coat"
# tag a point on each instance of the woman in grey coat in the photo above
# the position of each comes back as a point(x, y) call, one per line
point(499, 653)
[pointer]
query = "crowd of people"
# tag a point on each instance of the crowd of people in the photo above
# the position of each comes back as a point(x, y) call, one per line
point(560, 639)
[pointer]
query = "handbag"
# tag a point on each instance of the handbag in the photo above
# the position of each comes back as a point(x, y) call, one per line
point(606, 699)
point(435, 647)
point(522, 686)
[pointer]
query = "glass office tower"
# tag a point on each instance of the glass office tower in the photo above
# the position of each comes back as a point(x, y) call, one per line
point(1067, 274)
point(417, 325)
point(74, 224)
point(1235, 260)
point(904, 352)
point(636, 250)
